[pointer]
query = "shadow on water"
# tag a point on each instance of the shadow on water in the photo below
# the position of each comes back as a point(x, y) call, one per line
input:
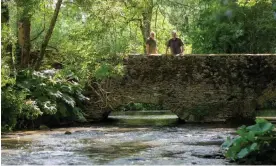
point(15, 144)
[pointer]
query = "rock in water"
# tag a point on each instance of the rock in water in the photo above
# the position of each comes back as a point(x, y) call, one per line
point(44, 127)
point(68, 132)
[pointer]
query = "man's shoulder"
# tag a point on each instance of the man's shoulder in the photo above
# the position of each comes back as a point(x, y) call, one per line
point(169, 41)
point(176, 39)
point(180, 41)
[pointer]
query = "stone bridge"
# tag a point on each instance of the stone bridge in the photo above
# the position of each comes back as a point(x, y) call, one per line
point(202, 88)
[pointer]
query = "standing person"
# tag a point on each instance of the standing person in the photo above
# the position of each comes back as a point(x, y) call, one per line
point(176, 45)
point(151, 45)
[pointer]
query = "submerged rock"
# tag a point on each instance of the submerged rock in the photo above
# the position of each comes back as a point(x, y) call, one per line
point(44, 127)
point(207, 142)
point(68, 132)
point(214, 155)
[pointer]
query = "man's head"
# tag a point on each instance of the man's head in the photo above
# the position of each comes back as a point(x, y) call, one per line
point(152, 34)
point(174, 35)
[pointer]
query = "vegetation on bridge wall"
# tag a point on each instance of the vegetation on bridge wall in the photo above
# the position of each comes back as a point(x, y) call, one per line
point(268, 98)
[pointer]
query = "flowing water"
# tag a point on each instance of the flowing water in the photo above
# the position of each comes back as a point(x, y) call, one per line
point(147, 137)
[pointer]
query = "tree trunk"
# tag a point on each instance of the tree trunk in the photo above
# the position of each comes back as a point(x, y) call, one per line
point(145, 24)
point(24, 40)
point(48, 36)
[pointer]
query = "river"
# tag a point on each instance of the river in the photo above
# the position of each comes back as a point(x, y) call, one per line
point(147, 137)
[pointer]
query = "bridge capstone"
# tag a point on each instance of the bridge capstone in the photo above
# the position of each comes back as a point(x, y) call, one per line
point(202, 88)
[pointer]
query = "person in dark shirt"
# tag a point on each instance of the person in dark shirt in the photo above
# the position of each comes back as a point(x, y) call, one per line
point(175, 44)
point(151, 45)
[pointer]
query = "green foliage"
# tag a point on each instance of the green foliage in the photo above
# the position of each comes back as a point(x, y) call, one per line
point(12, 104)
point(8, 41)
point(140, 106)
point(6, 73)
point(104, 70)
point(229, 26)
point(35, 94)
point(251, 140)
point(26, 7)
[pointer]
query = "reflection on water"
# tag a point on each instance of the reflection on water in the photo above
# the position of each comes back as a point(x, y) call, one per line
point(126, 139)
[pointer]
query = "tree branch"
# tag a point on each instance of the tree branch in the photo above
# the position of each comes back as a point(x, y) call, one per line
point(53, 48)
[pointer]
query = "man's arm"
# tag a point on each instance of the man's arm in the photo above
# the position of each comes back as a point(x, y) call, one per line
point(147, 49)
point(167, 50)
point(156, 48)
point(168, 45)
point(182, 49)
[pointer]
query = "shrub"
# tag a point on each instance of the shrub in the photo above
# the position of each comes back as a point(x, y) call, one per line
point(252, 141)
point(12, 103)
point(35, 94)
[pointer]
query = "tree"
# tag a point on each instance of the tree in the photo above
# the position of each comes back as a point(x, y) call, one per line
point(48, 35)
point(145, 23)
point(142, 12)
point(24, 29)
point(233, 27)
